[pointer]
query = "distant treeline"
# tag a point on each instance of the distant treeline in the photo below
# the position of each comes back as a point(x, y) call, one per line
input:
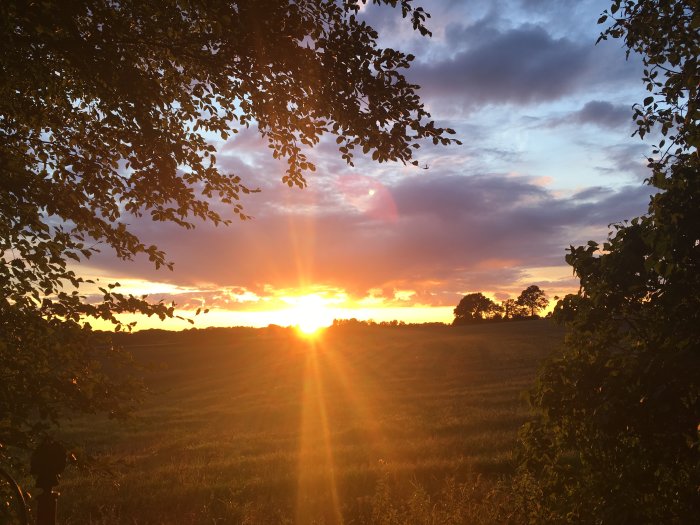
point(218, 335)
point(158, 337)
point(474, 307)
point(350, 323)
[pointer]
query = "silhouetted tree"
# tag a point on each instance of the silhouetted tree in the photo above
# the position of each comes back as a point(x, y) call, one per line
point(512, 310)
point(107, 113)
point(533, 299)
point(617, 440)
point(474, 307)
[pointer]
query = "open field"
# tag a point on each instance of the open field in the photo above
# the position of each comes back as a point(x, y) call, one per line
point(362, 425)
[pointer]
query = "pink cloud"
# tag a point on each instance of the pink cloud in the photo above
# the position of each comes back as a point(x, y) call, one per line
point(437, 236)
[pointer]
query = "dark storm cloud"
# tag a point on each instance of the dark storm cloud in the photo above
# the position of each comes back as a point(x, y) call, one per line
point(444, 234)
point(521, 65)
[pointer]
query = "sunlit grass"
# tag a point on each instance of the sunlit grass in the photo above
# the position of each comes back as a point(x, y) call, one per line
point(262, 426)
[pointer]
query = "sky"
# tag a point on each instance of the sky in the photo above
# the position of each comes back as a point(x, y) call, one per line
point(547, 161)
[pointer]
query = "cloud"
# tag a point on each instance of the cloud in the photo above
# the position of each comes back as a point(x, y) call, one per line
point(464, 225)
point(599, 113)
point(628, 158)
point(520, 65)
point(435, 235)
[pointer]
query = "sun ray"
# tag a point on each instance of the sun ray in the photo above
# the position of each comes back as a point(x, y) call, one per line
point(362, 394)
point(317, 491)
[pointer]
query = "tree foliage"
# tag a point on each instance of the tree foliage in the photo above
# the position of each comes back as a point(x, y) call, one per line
point(665, 34)
point(112, 110)
point(474, 307)
point(618, 437)
point(533, 299)
point(512, 309)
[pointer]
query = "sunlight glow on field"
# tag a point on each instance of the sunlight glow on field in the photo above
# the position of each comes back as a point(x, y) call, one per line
point(317, 468)
point(361, 423)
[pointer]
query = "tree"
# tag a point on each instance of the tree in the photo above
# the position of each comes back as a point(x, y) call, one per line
point(512, 309)
point(617, 440)
point(474, 307)
point(109, 111)
point(533, 299)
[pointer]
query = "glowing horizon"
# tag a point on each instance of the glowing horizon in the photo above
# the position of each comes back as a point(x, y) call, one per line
point(306, 321)
point(307, 308)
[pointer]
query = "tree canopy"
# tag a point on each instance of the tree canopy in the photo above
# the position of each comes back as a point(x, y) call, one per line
point(617, 440)
point(533, 299)
point(474, 307)
point(108, 111)
point(512, 309)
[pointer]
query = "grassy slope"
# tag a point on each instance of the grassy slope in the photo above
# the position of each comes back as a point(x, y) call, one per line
point(364, 425)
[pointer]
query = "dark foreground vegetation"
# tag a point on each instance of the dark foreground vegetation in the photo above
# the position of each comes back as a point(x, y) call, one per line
point(365, 424)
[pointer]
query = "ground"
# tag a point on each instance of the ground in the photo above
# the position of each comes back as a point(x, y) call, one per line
point(360, 425)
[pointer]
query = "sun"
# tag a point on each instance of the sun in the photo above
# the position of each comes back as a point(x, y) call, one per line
point(310, 327)
point(310, 314)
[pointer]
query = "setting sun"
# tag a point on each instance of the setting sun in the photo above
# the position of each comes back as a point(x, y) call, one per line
point(310, 313)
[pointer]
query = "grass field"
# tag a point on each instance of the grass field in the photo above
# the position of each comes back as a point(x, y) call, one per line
point(362, 425)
